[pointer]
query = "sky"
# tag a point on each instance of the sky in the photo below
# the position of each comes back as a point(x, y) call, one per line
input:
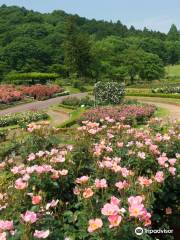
point(153, 14)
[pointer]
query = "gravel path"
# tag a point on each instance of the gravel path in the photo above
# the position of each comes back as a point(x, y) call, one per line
point(39, 105)
point(172, 108)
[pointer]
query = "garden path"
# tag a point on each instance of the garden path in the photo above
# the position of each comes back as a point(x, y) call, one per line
point(38, 105)
point(172, 108)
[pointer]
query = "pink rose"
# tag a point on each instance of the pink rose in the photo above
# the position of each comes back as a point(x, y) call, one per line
point(41, 234)
point(29, 217)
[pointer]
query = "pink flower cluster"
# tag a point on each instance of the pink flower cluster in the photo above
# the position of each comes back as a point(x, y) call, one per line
point(40, 91)
point(113, 212)
point(137, 210)
point(91, 127)
point(119, 113)
point(9, 94)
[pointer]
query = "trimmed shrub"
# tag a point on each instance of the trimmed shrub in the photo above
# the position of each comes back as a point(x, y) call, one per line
point(32, 77)
point(109, 93)
point(78, 102)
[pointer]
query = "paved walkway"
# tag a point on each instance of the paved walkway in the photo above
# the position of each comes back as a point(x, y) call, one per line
point(38, 105)
point(172, 108)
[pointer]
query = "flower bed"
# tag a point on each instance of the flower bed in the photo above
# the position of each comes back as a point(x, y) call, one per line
point(167, 90)
point(22, 118)
point(9, 94)
point(127, 113)
point(41, 92)
point(103, 187)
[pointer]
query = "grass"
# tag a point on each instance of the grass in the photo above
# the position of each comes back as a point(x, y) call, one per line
point(173, 72)
point(74, 116)
point(161, 112)
point(71, 89)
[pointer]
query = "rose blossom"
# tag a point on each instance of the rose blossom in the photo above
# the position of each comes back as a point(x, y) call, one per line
point(110, 209)
point(172, 161)
point(172, 170)
point(20, 184)
point(143, 181)
point(94, 224)
point(31, 157)
point(159, 177)
point(41, 234)
point(36, 199)
point(6, 225)
point(115, 201)
point(121, 185)
point(82, 179)
point(29, 217)
point(101, 183)
point(88, 193)
point(114, 220)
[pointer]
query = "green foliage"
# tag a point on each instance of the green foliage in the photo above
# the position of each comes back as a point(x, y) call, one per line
point(71, 45)
point(78, 102)
point(109, 93)
point(77, 50)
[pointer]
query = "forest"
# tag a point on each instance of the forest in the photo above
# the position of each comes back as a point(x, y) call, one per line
point(75, 47)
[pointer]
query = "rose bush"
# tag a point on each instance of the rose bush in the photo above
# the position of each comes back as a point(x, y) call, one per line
point(127, 113)
point(41, 92)
point(103, 187)
point(9, 94)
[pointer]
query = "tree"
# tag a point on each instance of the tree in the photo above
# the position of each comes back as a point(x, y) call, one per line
point(131, 59)
point(151, 67)
point(77, 50)
point(173, 52)
point(146, 66)
point(173, 33)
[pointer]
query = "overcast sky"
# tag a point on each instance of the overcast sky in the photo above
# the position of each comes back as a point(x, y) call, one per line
point(153, 14)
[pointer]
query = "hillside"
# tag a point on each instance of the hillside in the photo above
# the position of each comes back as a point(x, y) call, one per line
point(32, 41)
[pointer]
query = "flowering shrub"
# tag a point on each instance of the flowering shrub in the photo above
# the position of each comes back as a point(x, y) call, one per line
point(109, 93)
point(41, 92)
point(9, 94)
point(103, 187)
point(22, 118)
point(166, 90)
point(127, 113)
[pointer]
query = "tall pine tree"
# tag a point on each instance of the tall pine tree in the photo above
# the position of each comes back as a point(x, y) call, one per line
point(77, 50)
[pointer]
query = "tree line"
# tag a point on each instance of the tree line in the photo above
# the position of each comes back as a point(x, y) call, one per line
point(75, 47)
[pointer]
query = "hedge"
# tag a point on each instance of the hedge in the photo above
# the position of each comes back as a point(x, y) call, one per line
point(161, 95)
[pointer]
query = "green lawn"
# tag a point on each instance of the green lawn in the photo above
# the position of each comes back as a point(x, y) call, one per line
point(173, 72)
